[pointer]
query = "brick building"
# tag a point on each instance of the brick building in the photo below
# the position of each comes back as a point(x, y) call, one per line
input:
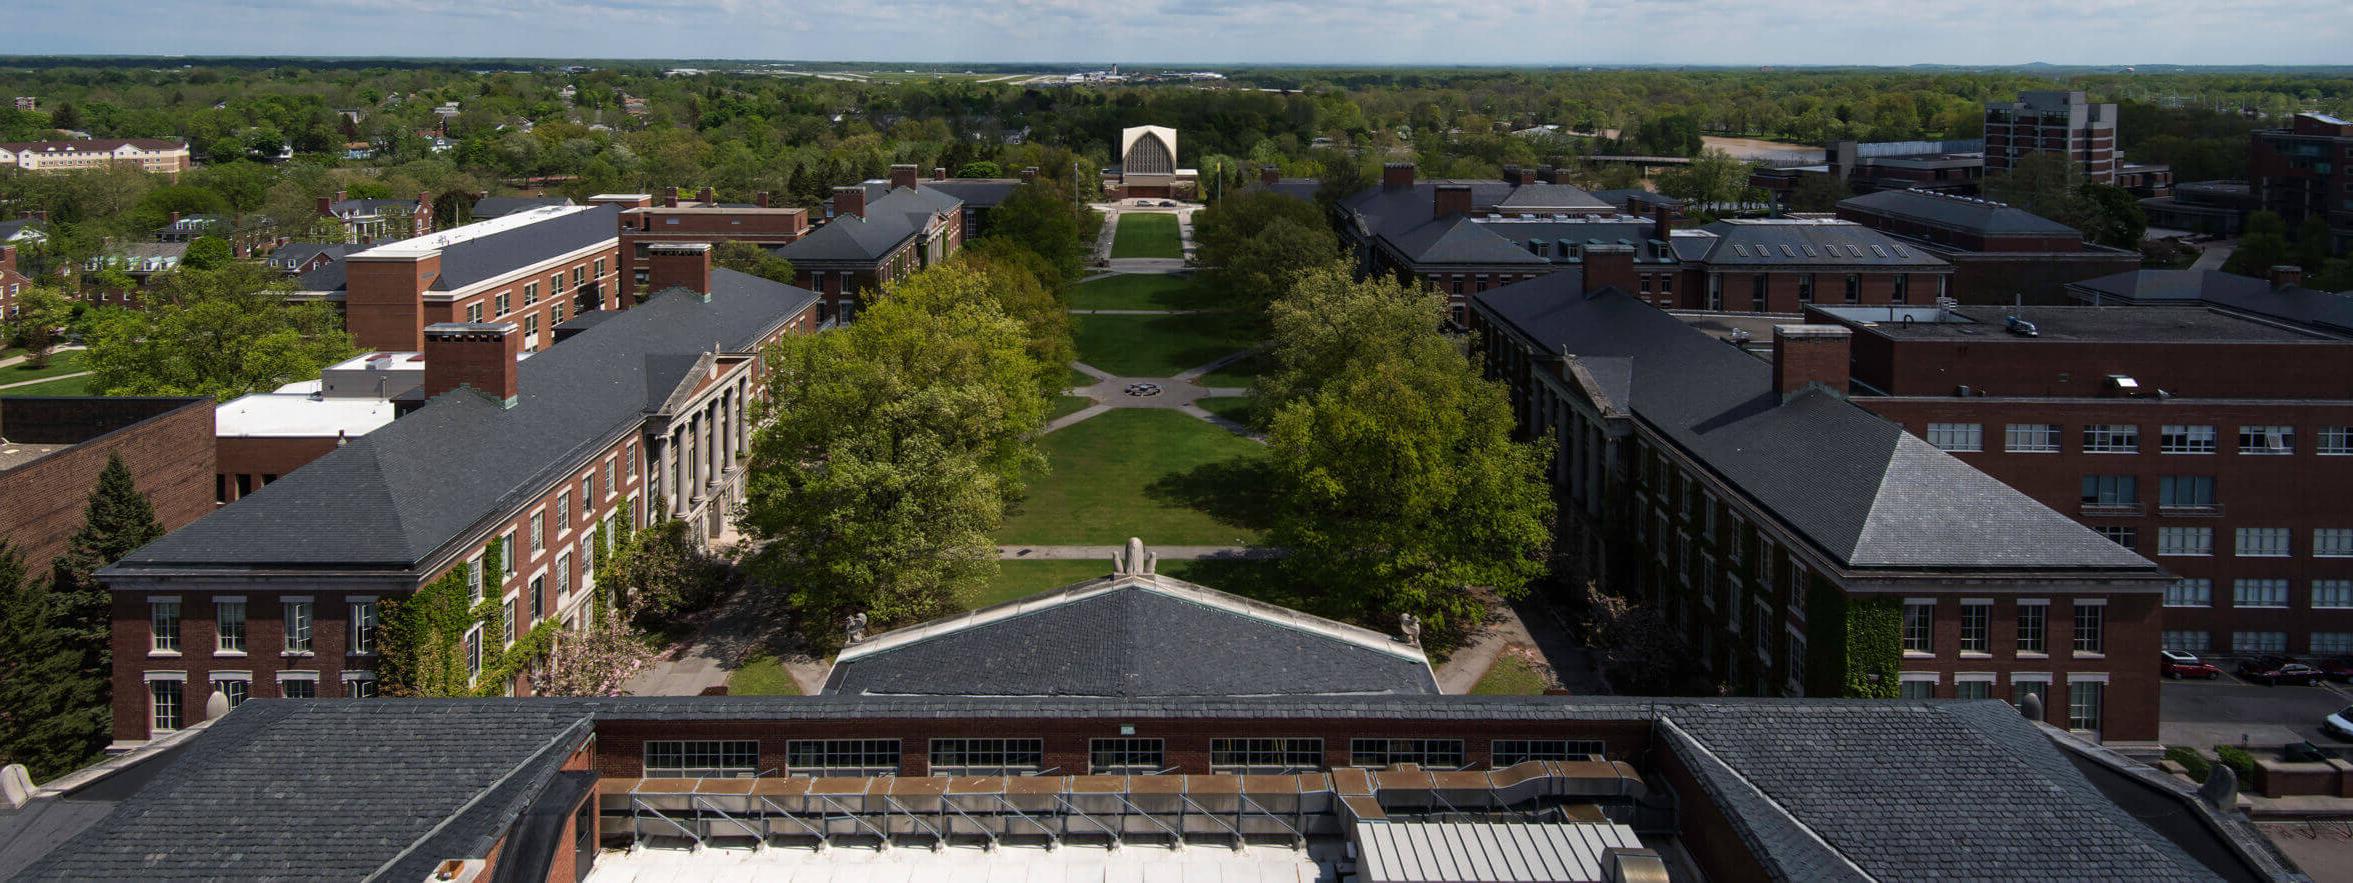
point(876, 233)
point(263, 436)
point(371, 221)
point(646, 223)
point(2000, 254)
point(979, 195)
point(274, 595)
point(52, 450)
point(1757, 508)
point(536, 269)
point(13, 282)
point(299, 258)
point(2064, 123)
point(2215, 208)
point(2306, 171)
point(2218, 444)
point(145, 154)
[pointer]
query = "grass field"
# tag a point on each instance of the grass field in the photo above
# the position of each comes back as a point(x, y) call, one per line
point(1250, 577)
point(762, 675)
point(1067, 405)
point(67, 362)
point(1242, 372)
point(1159, 475)
point(70, 386)
point(1234, 408)
point(1147, 235)
point(1158, 346)
point(1137, 292)
point(1510, 676)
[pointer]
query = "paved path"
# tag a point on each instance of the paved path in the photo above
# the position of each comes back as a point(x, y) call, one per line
point(1179, 393)
point(1104, 553)
point(1139, 312)
point(46, 379)
point(706, 661)
point(56, 350)
point(2212, 257)
point(1571, 664)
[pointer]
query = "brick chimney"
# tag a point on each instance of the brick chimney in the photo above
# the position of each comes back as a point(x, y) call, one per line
point(939, 173)
point(1662, 223)
point(1029, 174)
point(1450, 199)
point(1396, 175)
point(905, 175)
point(679, 265)
point(707, 196)
point(1269, 175)
point(2285, 275)
point(849, 201)
point(327, 206)
point(1609, 266)
point(760, 199)
point(7, 257)
point(669, 197)
point(476, 354)
point(1810, 355)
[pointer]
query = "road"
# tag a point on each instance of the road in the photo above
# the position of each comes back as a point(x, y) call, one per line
point(2223, 710)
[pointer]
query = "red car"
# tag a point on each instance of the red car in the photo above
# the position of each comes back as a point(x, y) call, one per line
point(2271, 671)
point(2179, 664)
point(2336, 668)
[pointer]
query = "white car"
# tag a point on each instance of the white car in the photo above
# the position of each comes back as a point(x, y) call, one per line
point(2340, 724)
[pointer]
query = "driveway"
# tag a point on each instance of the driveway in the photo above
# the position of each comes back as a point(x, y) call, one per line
point(2225, 711)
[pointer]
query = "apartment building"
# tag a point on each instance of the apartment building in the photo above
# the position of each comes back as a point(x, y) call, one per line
point(13, 283)
point(368, 221)
point(1768, 517)
point(876, 233)
point(275, 595)
point(646, 223)
point(2306, 171)
point(145, 154)
point(2055, 122)
point(2000, 253)
point(535, 269)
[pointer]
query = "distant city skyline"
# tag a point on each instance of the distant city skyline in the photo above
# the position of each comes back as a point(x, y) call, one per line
point(1217, 32)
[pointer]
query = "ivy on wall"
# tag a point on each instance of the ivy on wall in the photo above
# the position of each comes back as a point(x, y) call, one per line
point(1864, 638)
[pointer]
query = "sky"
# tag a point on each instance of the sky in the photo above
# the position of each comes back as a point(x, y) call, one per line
point(1514, 32)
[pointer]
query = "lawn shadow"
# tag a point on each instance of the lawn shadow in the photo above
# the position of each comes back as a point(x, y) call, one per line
point(1231, 491)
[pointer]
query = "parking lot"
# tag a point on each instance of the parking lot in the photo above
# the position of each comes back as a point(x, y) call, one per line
point(2227, 711)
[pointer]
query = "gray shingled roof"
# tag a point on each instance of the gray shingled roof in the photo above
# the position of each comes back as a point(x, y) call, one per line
point(1958, 213)
point(1855, 484)
point(1132, 636)
point(976, 192)
point(1811, 243)
point(889, 221)
point(1529, 197)
point(499, 206)
point(10, 229)
point(487, 257)
point(2230, 291)
point(299, 253)
point(394, 496)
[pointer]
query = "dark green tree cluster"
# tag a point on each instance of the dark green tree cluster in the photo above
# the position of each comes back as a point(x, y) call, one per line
point(2266, 243)
point(1252, 245)
point(752, 259)
point(2051, 185)
point(220, 332)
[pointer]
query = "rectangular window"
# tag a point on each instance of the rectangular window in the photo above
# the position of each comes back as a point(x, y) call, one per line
point(2192, 640)
point(530, 293)
point(2259, 642)
point(363, 627)
point(359, 685)
point(1131, 757)
point(702, 759)
point(1805, 288)
point(1443, 754)
point(2083, 704)
point(1977, 627)
point(1756, 293)
point(2190, 593)
point(474, 579)
point(555, 283)
point(1976, 688)
point(235, 689)
point(1957, 436)
point(164, 619)
point(1505, 752)
point(1797, 663)
point(2181, 439)
point(987, 757)
point(610, 487)
point(2127, 537)
point(2336, 441)
point(1916, 687)
point(2020, 689)
point(2185, 541)
point(2185, 491)
point(1266, 757)
point(2259, 593)
point(2111, 438)
point(2332, 542)
point(538, 533)
point(2261, 542)
point(2031, 627)
point(860, 758)
point(298, 626)
point(229, 626)
point(506, 553)
point(2267, 439)
point(164, 701)
point(1903, 289)
point(2031, 438)
point(473, 653)
point(298, 687)
point(1919, 628)
point(2332, 594)
point(2090, 628)
point(538, 599)
point(2111, 490)
point(2332, 642)
point(507, 621)
point(500, 302)
point(1854, 288)
point(474, 313)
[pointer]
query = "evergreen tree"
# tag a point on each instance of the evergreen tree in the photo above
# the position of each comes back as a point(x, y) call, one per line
point(53, 714)
point(118, 520)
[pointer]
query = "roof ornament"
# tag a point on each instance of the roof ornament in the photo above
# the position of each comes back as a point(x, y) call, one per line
point(1409, 629)
point(855, 627)
point(2221, 790)
point(1134, 561)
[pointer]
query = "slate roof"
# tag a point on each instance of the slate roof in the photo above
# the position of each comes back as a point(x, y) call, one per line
point(298, 253)
point(366, 207)
point(500, 206)
point(1648, 197)
point(1857, 485)
point(2308, 307)
point(470, 260)
point(1131, 636)
point(976, 192)
point(1979, 216)
point(1531, 197)
point(1302, 189)
point(396, 495)
point(1787, 242)
point(12, 229)
point(891, 218)
point(330, 276)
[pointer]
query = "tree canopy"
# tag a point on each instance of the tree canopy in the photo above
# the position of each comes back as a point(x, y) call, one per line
point(220, 333)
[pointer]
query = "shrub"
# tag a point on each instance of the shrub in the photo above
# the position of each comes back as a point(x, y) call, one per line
point(2191, 761)
point(2239, 761)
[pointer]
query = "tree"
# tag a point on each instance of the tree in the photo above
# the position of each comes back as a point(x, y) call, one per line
point(1326, 319)
point(596, 661)
point(1044, 220)
point(220, 333)
point(1818, 193)
point(2047, 184)
point(207, 253)
point(117, 520)
point(1254, 244)
point(2263, 244)
point(1014, 277)
point(1714, 178)
point(2110, 215)
point(980, 169)
point(66, 117)
point(53, 713)
point(754, 260)
point(1343, 176)
point(659, 571)
point(42, 314)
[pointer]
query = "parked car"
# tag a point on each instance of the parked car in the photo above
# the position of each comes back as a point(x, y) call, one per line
point(2182, 664)
point(2340, 724)
point(2336, 668)
point(2271, 671)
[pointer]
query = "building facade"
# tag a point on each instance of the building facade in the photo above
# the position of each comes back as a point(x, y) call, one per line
point(54, 449)
point(536, 269)
point(145, 154)
point(370, 221)
point(878, 232)
point(1999, 254)
point(2306, 171)
point(2062, 123)
point(646, 223)
point(1148, 167)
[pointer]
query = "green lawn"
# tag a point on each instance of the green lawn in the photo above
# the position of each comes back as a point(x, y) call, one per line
point(1510, 676)
point(1080, 378)
point(1239, 373)
point(1158, 346)
point(1021, 579)
point(1147, 235)
point(1065, 406)
point(67, 362)
point(71, 386)
point(762, 675)
point(1137, 292)
point(1250, 577)
point(1234, 408)
point(1159, 475)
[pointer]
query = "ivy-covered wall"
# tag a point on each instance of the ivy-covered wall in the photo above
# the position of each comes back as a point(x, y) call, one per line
point(1850, 639)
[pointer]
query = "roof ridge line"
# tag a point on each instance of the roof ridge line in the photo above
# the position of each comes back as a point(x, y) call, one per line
point(585, 720)
point(1667, 720)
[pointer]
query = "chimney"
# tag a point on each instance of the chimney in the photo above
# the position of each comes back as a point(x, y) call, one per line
point(669, 197)
point(477, 354)
point(7, 257)
point(679, 265)
point(1270, 175)
point(707, 196)
point(176, 219)
point(939, 173)
point(905, 175)
point(1662, 223)
point(1450, 199)
point(1609, 266)
point(1634, 206)
point(2285, 275)
point(1548, 174)
point(1810, 355)
point(1029, 174)
point(1396, 175)
point(327, 206)
point(848, 201)
point(760, 199)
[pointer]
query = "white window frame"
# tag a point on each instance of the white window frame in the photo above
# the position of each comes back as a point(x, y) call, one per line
point(2190, 592)
point(2185, 542)
point(2188, 439)
point(158, 642)
point(2260, 542)
point(2259, 594)
point(309, 620)
point(1957, 437)
point(2332, 542)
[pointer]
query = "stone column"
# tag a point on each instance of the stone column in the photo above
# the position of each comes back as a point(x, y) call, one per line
point(676, 469)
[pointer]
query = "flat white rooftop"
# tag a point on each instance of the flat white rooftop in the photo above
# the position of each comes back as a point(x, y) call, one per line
point(433, 243)
point(296, 415)
point(1198, 863)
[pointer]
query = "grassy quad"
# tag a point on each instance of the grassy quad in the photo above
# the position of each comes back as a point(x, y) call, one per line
point(70, 386)
point(1155, 474)
point(67, 362)
point(1510, 676)
point(1138, 291)
point(1250, 577)
point(762, 675)
point(1159, 346)
point(1147, 235)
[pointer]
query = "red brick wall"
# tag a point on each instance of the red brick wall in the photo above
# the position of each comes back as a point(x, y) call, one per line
point(1781, 289)
point(260, 460)
point(1705, 832)
point(383, 303)
point(609, 286)
point(166, 443)
point(2012, 366)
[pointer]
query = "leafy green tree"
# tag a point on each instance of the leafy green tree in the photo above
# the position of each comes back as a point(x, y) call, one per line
point(752, 259)
point(66, 116)
point(660, 572)
point(208, 253)
point(1014, 277)
point(1343, 176)
point(2263, 244)
point(2111, 216)
point(1254, 244)
point(2047, 184)
point(1713, 178)
point(53, 714)
point(1044, 220)
point(43, 312)
point(981, 169)
point(117, 520)
point(1327, 319)
point(1818, 193)
point(220, 333)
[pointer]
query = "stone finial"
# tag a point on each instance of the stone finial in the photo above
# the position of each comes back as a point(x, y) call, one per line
point(2221, 790)
point(1131, 561)
point(16, 785)
point(1409, 627)
point(216, 706)
point(1151, 562)
point(2032, 707)
point(855, 626)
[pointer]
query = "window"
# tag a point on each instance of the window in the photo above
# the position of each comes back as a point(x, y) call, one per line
point(987, 757)
point(2261, 542)
point(2031, 438)
point(2336, 441)
point(359, 685)
point(2332, 542)
point(474, 579)
point(610, 487)
point(538, 598)
point(233, 686)
point(1124, 756)
point(164, 701)
point(2185, 492)
point(2123, 536)
point(1916, 687)
point(1977, 626)
point(530, 293)
point(2021, 688)
point(2190, 593)
point(507, 621)
point(2189, 541)
point(564, 511)
point(2179, 439)
point(1854, 288)
point(1957, 436)
point(363, 627)
point(600, 267)
point(474, 312)
point(2332, 593)
point(842, 757)
point(294, 685)
point(298, 626)
point(2267, 439)
point(2090, 634)
point(1756, 293)
point(1505, 752)
point(473, 653)
point(538, 533)
point(702, 759)
point(2083, 703)
point(1967, 687)
point(229, 625)
point(2111, 438)
point(1797, 662)
point(555, 283)
point(1443, 754)
point(1805, 288)
point(2259, 593)
point(1919, 627)
point(2332, 642)
point(2259, 642)
point(506, 553)
point(2192, 640)
point(164, 618)
point(500, 302)
point(1271, 757)
point(2111, 490)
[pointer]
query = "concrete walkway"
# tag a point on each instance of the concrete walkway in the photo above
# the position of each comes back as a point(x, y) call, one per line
point(1179, 393)
point(1104, 553)
point(1571, 664)
point(1139, 312)
point(58, 350)
point(46, 379)
point(706, 661)
point(2212, 257)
